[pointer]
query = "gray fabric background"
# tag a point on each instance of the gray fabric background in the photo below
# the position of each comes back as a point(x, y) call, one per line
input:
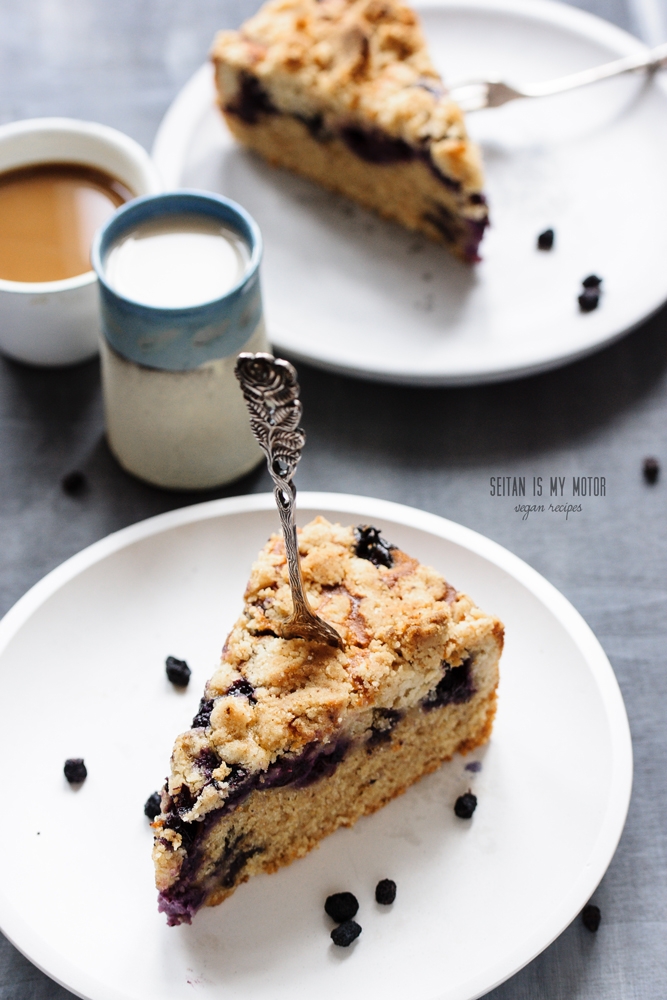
point(122, 63)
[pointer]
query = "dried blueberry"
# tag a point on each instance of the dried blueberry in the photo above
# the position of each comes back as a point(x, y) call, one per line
point(590, 917)
point(385, 892)
point(370, 545)
point(592, 281)
point(589, 300)
point(465, 805)
point(342, 906)
point(178, 671)
point(651, 470)
point(344, 935)
point(74, 483)
point(75, 770)
point(545, 240)
point(152, 807)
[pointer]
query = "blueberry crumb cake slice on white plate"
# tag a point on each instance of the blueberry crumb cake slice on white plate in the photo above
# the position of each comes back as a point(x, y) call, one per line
point(294, 739)
point(345, 93)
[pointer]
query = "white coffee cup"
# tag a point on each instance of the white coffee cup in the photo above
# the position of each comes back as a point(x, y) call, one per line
point(57, 322)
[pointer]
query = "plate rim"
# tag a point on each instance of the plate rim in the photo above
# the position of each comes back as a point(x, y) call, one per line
point(60, 969)
point(170, 149)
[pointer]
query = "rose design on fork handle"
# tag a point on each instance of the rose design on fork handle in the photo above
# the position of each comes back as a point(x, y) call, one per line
point(271, 392)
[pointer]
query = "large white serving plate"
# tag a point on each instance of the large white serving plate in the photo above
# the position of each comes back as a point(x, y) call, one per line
point(82, 674)
point(347, 291)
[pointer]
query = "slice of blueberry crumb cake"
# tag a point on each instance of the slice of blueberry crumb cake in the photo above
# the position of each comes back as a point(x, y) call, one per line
point(294, 739)
point(345, 93)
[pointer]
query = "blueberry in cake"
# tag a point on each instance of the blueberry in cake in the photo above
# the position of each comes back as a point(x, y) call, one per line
point(294, 739)
point(345, 93)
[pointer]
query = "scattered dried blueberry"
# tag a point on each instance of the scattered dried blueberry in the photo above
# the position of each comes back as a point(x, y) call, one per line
point(152, 807)
point(592, 281)
point(545, 240)
point(475, 766)
point(75, 770)
point(385, 892)
point(465, 805)
point(589, 300)
point(342, 906)
point(370, 545)
point(651, 469)
point(74, 483)
point(178, 671)
point(344, 935)
point(590, 917)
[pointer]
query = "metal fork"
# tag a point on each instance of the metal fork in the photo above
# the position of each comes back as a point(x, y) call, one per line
point(478, 94)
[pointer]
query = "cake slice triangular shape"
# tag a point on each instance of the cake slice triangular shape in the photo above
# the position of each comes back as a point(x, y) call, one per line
point(294, 739)
point(345, 93)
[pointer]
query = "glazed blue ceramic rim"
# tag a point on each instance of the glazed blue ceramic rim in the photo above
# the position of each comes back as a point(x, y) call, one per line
point(179, 338)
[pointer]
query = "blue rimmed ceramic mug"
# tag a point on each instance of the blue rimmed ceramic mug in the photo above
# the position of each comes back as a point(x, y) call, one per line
point(175, 414)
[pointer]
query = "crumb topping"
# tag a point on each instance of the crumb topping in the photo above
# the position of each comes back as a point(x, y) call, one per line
point(271, 696)
point(363, 62)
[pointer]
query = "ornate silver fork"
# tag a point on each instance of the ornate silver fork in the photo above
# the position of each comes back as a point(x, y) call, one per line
point(479, 94)
point(271, 392)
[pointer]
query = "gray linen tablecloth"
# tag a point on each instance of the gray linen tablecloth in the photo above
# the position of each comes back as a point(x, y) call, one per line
point(122, 63)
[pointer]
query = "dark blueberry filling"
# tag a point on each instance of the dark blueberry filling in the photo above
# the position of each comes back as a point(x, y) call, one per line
point(251, 101)
point(371, 145)
point(182, 908)
point(312, 763)
point(384, 720)
point(316, 127)
point(238, 862)
point(455, 688)
point(182, 901)
point(189, 831)
point(370, 545)
point(451, 228)
point(475, 228)
point(207, 761)
point(203, 717)
point(376, 146)
point(445, 222)
point(244, 688)
point(341, 906)
point(449, 182)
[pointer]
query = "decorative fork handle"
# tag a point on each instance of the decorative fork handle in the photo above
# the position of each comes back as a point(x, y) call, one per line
point(476, 95)
point(271, 391)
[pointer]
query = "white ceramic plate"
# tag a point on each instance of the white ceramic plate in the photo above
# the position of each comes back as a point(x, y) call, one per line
point(82, 674)
point(349, 292)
